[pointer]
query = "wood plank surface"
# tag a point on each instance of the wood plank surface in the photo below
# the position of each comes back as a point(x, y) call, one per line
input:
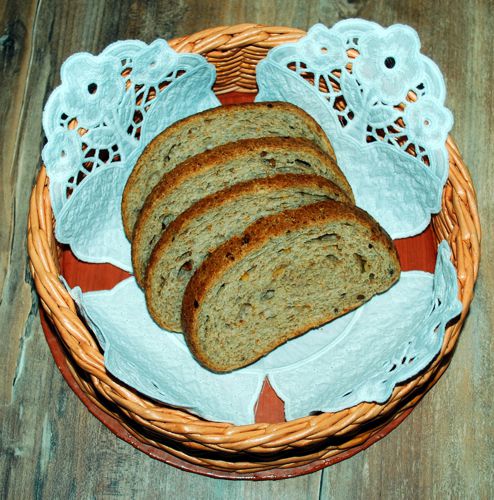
point(51, 446)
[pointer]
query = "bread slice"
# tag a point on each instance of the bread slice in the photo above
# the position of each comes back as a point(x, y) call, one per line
point(218, 169)
point(210, 222)
point(207, 130)
point(287, 273)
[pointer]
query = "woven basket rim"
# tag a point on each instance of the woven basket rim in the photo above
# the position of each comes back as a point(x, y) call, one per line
point(458, 223)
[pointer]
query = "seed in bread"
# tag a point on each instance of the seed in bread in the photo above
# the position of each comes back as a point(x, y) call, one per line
point(207, 224)
point(207, 130)
point(218, 169)
point(303, 268)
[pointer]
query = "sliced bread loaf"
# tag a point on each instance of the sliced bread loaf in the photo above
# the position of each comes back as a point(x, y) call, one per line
point(198, 231)
point(207, 130)
point(214, 170)
point(287, 273)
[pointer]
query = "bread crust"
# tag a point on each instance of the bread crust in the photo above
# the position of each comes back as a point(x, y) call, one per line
point(211, 159)
point(254, 237)
point(199, 118)
point(271, 184)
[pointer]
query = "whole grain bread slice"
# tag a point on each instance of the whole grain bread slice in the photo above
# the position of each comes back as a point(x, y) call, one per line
point(207, 130)
point(287, 273)
point(211, 221)
point(214, 170)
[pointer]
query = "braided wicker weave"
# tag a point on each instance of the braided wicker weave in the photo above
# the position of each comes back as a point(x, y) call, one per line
point(235, 51)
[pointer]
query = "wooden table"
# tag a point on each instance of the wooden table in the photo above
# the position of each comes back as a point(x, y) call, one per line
point(51, 446)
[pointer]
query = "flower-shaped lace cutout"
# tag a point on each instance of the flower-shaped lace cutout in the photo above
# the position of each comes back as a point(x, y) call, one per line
point(388, 63)
point(427, 123)
point(326, 52)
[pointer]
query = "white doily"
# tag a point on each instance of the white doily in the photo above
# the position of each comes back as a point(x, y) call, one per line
point(356, 79)
point(315, 372)
point(110, 106)
point(98, 121)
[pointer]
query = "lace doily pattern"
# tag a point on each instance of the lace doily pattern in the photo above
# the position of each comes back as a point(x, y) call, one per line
point(314, 372)
point(386, 338)
point(381, 103)
point(158, 363)
point(97, 122)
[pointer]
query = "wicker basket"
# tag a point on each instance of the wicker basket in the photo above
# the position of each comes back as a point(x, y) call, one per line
point(235, 51)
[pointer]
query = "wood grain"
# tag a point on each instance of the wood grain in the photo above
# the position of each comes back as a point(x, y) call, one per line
point(51, 447)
